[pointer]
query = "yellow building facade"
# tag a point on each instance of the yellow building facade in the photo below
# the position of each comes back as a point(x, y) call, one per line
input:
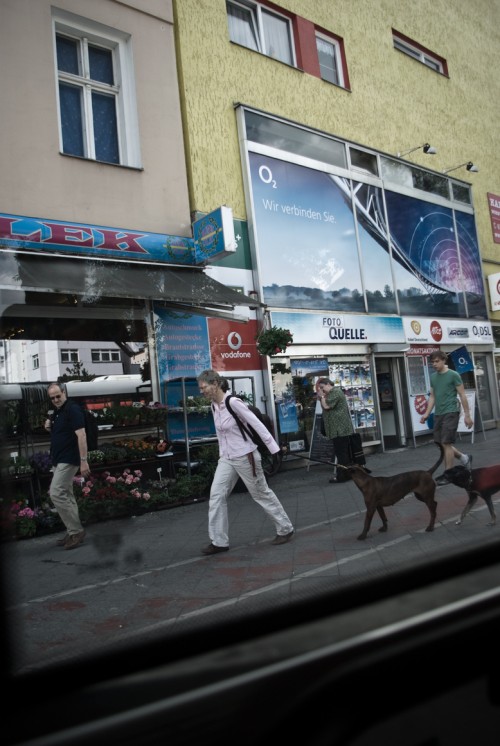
point(408, 75)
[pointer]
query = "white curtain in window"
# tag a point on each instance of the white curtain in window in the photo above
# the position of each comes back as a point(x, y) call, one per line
point(276, 37)
point(242, 27)
point(327, 61)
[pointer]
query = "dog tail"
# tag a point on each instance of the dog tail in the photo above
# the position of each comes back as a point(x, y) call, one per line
point(439, 461)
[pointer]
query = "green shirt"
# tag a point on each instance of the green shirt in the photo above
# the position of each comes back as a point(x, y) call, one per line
point(444, 386)
point(337, 419)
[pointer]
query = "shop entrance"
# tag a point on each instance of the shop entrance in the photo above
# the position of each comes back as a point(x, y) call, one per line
point(391, 387)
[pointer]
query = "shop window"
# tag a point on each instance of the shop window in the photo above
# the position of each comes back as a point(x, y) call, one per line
point(254, 26)
point(418, 52)
point(297, 407)
point(97, 118)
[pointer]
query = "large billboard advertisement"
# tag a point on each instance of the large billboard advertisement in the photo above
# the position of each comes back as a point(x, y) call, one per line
point(326, 242)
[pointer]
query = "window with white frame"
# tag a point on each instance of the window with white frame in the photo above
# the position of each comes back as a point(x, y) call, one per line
point(419, 53)
point(69, 356)
point(330, 61)
point(35, 362)
point(257, 27)
point(105, 356)
point(96, 98)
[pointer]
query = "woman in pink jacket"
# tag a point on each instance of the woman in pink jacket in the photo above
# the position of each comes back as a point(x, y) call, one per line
point(238, 458)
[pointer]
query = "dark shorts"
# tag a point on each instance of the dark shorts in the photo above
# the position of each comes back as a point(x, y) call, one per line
point(445, 427)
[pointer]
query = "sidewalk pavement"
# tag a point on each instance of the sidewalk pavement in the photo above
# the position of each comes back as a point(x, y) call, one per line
point(142, 575)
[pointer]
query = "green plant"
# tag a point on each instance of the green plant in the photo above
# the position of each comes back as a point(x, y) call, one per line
point(198, 404)
point(274, 340)
point(208, 457)
point(19, 465)
point(114, 453)
point(96, 457)
point(136, 449)
point(10, 417)
point(185, 486)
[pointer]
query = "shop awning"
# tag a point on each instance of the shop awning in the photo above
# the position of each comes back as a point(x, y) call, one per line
point(184, 288)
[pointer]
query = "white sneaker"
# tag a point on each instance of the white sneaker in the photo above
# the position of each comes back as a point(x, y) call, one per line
point(466, 460)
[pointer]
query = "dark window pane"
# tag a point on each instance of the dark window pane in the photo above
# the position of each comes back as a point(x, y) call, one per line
point(461, 193)
point(105, 129)
point(364, 161)
point(430, 182)
point(67, 55)
point(71, 119)
point(101, 65)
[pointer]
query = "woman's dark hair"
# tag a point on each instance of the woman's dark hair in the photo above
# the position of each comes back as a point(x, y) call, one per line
point(323, 381)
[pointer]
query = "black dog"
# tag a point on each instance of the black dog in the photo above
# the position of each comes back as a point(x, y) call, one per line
point(482, 482)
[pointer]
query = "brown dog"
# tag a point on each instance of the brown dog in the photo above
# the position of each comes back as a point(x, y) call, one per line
point(382, 491)
point(483, 482)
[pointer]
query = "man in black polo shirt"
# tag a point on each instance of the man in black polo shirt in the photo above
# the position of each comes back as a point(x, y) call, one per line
point(68, 451)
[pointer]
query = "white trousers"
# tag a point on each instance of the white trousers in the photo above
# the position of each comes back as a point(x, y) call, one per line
point(225, 478)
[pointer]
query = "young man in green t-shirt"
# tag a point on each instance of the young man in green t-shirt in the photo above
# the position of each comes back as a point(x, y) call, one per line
point(446, 386)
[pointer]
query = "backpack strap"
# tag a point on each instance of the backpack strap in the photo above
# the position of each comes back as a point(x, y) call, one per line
point(243, 430)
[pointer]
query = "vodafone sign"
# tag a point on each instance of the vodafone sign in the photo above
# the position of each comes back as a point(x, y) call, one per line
point(234, 340)
point(232, 345)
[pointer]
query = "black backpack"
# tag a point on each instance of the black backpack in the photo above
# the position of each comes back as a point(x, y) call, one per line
point(91, 427)
point(247, 430)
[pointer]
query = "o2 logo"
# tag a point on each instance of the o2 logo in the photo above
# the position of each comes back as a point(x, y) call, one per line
point(481, 331)
point(266, 176)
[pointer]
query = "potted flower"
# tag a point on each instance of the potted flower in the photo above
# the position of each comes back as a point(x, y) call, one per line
point(24, 521)
point(41, 462)
point(274, 340)
point(162, 447)
point(96, 457)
